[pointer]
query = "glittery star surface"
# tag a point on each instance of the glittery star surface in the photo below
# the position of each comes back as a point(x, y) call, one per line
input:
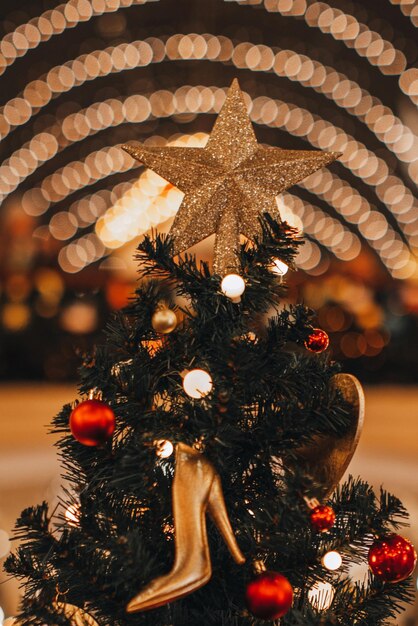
point(229, 183)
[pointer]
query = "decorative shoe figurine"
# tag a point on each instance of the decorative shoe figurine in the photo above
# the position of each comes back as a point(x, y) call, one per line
point(197, 490)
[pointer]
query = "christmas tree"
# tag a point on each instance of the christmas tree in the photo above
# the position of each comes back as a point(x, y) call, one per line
point(212, 399)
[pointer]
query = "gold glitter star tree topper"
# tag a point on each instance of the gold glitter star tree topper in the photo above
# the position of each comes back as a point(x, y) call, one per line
point(229, 183)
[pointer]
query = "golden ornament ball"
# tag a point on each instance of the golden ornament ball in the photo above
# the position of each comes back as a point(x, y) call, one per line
point(164, 321)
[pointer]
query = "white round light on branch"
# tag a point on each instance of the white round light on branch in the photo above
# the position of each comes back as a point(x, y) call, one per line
point(332, 560)
point(233, 286)
point(164, 448)
point(197, 383)
point(321, 595)
point(72, 515)
point(279, 267)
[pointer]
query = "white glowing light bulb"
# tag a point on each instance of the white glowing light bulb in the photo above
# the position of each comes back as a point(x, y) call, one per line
point(197, 383)
point(279, 267)
point(321, 595)
point(332, 560)
point(164, 448)
point(233, 286)
point(72, 515)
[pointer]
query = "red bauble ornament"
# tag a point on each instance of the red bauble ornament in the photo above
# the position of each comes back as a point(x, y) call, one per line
point(269, 595)
point(392, 558)
point(92, 422)
point(318, 341)
point(322, 518)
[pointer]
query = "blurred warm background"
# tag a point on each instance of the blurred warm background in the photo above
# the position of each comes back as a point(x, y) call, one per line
point(80, 78)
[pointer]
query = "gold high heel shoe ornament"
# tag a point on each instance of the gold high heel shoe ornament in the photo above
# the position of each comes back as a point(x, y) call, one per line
point(197, 490)
point(328, 456)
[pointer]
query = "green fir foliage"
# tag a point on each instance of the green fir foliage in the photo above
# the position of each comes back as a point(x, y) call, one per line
point(269, 397)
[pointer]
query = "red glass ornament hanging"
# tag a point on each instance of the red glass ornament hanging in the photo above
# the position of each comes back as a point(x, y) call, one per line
point(318, 341)
point(92, 422)
point(322, 518)
point(392, 558)
point(269, 595)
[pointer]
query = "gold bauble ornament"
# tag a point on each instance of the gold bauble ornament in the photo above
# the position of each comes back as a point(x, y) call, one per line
point(164, 321)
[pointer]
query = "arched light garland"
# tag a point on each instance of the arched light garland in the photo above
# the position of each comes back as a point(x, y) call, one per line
point(105, 162)
point(408, 83)
point(138, 108)
point(346, 94)
point(151, 200)
point(344, 27)
point(53, 22)
point(73, 176)
point(133, 219)
point(408, 8)
point(341, 25)
point(400, 3)
point(31, 34)
point(131, 208)
point(325, 229)
point(389, 190)
point(189, 46)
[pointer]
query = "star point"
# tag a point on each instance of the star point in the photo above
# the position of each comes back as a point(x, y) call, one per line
point(229, 183)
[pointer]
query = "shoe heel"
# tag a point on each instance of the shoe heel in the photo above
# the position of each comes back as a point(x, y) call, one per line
point(217, 511)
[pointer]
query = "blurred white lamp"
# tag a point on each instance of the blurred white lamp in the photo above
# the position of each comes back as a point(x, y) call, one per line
point(233, 286)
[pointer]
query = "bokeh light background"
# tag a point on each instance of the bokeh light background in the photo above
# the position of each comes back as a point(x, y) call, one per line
point(80, 78)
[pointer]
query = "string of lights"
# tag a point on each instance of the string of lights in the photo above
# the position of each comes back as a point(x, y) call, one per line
point(105, 162)
point(149, 200)
point(389, 238)
point(344, 27)
point(408, 8)
point(389, 128)
point(143, 204)
point(345, 93)
point(31, 34)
